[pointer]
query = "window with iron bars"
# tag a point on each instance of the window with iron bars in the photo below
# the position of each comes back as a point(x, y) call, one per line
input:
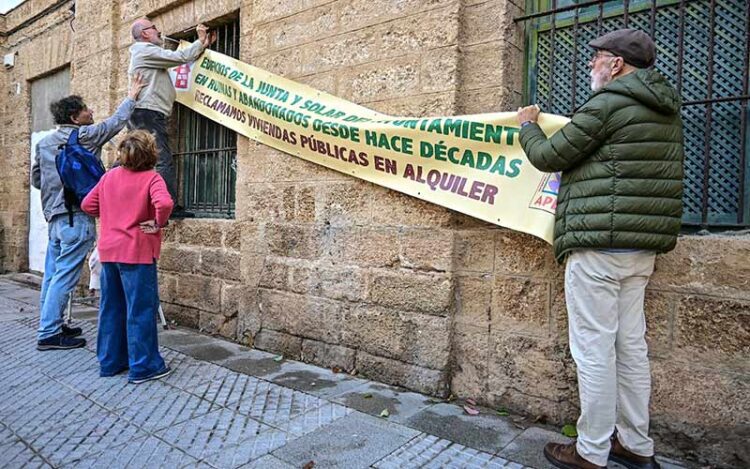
point(703, 48)
point(206, 156)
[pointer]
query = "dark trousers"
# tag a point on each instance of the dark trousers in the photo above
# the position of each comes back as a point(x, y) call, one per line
point(156, 123)
point(128, 335)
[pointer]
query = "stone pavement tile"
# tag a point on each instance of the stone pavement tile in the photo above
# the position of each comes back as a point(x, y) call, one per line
point(355, 441)
point(268, 462)
point(17, 381)
point(15, 335)
point(14, 309)
point(224, 438)
point(114, 392)
point(79, 439)
point(178, 339)
point(47, 406)
point(253, 363)
point(372, 398)
point(147, 452)
point(484, 432)
point(15, 453)
point(313, 380)
point(273, 404)
point(59, 363)
point(189, 374)
point(164, 407)
point(528, 447)
point(431, 451)
point(230, 388)
point(314, 419)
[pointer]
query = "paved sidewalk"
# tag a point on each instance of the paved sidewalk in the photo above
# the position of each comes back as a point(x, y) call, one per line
point(226, 406)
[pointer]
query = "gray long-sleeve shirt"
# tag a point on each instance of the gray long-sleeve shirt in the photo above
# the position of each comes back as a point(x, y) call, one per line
point(93, 137)
point(153, 63)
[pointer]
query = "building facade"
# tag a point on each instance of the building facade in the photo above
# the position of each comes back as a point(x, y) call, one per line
point(293, 258)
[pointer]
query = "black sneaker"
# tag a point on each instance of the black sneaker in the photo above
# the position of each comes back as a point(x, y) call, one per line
point(71, 331)
point(60, 342)
point(165, 372)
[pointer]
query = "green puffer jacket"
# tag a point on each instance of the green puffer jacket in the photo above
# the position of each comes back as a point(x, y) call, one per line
point(621, 158)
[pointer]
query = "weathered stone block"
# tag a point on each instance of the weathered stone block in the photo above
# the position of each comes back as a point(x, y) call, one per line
point(233, 236)
point(181, 315)
point(423, 105)
point(491, 21)
point(217, 324)
point(714, 325)
point(328, 355)
point(532, 374)
point(427, 293)
point(167, 287)
point(278, 342)
point(394, 78)
point(301, 242)
point(521, 304)
point(249, 316)
point(488, 99)
point(335, 283)
point(394, 372)
point(718, 265)
point(519, 253)
point(344, 203)
point(366, 247)
point(198, 232)
point(230, 298)
point(396, 209)
point(275, 274)
point(410, 337)
point(659, 309)
point(470, 356)
point(199, 292)
point(429, 30)
point(303, 316)
point(427, 249)
point(474, 305)
point(475, 250)
point(440, 70)
point(221, 263)
point(354, 48)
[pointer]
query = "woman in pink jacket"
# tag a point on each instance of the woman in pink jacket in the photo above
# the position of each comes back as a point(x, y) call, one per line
point(133, 203)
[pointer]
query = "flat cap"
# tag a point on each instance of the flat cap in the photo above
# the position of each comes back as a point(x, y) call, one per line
point(633, 45)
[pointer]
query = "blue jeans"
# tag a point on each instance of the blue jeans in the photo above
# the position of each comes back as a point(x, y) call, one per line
point(128, 336)
point(66, 251)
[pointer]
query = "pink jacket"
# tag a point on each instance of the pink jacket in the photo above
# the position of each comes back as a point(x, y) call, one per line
point(123, 199)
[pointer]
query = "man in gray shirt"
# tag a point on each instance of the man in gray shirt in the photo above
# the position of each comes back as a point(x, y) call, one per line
point(150, 60)
point(69, 242)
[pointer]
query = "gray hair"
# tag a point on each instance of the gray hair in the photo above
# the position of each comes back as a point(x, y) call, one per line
point(137, 29)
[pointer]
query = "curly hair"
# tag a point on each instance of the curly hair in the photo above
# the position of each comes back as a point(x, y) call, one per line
point(137, 151)
point(66, 108)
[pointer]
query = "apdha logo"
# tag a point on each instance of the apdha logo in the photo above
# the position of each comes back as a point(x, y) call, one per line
point(545, 197)
point(182, 77)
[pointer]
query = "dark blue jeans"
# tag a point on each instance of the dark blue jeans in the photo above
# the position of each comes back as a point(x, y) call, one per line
point(157, 123)
point(128, 336)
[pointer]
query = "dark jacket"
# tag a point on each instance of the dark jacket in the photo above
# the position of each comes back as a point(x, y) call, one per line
point(621, 158)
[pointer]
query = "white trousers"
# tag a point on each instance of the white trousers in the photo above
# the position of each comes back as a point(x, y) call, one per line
point(604, 292)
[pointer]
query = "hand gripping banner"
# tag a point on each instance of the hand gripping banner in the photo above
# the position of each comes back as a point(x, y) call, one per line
point(472, 164)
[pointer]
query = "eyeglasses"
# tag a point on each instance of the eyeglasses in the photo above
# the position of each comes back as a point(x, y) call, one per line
point(598, 55)
point(150, 27)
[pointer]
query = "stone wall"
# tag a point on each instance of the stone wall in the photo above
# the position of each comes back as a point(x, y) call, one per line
point(336, 271)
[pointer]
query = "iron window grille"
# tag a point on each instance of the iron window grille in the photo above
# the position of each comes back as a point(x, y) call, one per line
point(703, 48)
point(206, 156)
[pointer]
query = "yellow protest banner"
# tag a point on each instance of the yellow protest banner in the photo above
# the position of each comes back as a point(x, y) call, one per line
point(472, 164)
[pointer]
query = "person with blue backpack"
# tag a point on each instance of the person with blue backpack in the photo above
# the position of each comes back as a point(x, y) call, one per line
point(66, 166)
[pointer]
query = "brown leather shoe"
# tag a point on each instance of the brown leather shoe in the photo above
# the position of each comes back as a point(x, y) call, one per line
point(622, 456)
point(566, 457)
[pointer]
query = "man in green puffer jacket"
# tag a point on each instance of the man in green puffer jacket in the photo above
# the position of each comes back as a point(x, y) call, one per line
point(619, 204)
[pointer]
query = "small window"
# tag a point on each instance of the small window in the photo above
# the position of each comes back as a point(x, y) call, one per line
point(206, 156)
point(702, 49)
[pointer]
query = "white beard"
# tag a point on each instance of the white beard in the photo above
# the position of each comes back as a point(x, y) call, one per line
point(600, 80)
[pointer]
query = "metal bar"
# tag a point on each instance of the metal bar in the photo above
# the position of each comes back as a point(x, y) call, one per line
point(599, 19)
point(680, 47)
point(625, 8)
point(719, 100)
point(743, 122)
point(709, 110)
point(652, 19)
point(550, 82)
point(575, 58)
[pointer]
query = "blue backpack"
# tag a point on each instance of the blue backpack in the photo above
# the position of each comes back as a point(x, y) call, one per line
point(79, 171)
